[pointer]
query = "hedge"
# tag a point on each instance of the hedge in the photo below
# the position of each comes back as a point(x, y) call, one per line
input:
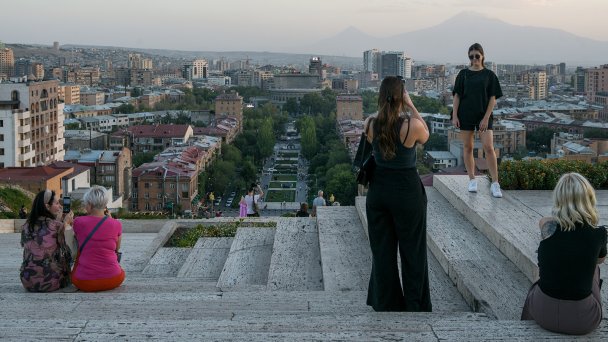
point(544, 174)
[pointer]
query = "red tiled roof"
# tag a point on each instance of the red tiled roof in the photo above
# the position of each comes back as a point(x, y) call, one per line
point(29, 173)
point(158, 131)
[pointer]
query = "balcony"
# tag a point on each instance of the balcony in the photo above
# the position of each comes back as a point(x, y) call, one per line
point(27, 156)
point(24, 129)
point(24, 143)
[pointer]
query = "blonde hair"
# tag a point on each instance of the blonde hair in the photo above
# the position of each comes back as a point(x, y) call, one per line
point(574, 202)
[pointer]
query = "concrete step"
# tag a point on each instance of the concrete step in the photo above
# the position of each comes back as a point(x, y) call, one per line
point(360, 205)
point(296, 260)
point(345, 252)
point(307, 326)
point(207, 258)
point(444, 294)
point(487, 280)
point(508, 223)
point(167, 261)
point(248, 261)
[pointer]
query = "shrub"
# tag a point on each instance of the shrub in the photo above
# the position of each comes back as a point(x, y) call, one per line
point(544, 174)
point(187, 237)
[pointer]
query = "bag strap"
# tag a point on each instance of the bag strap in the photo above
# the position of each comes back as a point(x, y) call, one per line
point(91, 234)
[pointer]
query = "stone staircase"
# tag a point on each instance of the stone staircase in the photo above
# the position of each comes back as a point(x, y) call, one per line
point(306, 280)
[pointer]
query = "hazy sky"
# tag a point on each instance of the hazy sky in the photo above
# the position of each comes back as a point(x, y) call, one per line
point(268, 25)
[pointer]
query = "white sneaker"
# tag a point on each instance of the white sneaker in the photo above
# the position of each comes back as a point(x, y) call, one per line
point(495, 188)
point(473, 185)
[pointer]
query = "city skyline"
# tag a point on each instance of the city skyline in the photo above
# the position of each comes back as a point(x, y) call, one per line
point(273, 25)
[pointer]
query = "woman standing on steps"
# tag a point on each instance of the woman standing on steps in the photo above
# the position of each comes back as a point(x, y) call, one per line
point(475, 93)
point(396, 204)
point(566, 299)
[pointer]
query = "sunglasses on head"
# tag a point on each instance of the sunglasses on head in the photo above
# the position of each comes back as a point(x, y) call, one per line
point(475, 56)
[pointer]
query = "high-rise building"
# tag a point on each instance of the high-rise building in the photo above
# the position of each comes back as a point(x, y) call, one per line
point(396, 64)
point(537, 81)
point(7, 63)
point(136, 61)
point(56, 46)
point(579, 80)
point(371, 61)
point(315, 66)
point(197, 69)
point(31, 123)
point(596, 80)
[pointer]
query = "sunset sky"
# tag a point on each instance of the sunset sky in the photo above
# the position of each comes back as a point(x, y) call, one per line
point(269, 25)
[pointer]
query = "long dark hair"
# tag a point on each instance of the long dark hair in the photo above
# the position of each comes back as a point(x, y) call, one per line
point(477, 47)
point(39, 209)
point(390, 102)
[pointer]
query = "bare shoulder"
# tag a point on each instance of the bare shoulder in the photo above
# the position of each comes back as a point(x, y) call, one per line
point(548, 226)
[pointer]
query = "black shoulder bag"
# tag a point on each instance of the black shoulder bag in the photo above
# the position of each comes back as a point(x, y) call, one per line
point(364, 159)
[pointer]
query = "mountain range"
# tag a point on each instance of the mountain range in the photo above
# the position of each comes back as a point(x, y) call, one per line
point(448, 42)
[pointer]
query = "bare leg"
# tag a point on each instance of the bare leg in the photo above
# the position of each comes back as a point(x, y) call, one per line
point(487, 139)
point(467, 152)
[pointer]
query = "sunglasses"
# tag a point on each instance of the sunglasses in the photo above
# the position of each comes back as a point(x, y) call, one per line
point(475, 56)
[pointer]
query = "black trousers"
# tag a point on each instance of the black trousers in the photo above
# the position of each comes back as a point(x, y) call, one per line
point(396, 216)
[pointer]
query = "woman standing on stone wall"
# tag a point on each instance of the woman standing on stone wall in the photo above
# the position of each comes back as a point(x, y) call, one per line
point(396, 204)
point(566, 298)
point(475, 93)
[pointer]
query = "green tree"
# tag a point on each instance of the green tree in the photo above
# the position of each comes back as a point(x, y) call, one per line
point(142, 158)
point(370, 101)
point(341, 182)
point(231, 153)
point(248, 172)
point(436, 142)
point(221, 174)
point(291, 106)
point(126, 108)
point(596, 133)
point(72, 126)
point(266, 139)
point(308, 138)
point(539, 140)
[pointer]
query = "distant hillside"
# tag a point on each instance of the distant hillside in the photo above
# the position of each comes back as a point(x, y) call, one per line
point(448, 42)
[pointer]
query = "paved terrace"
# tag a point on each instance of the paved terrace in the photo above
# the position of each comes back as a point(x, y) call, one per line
point(306, 280)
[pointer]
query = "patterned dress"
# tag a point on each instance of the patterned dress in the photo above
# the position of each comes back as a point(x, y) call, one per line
point(46, 257)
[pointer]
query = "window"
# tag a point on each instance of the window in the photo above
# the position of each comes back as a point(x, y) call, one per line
point(159, 195)
point(185, 194)
point(134, 194)
point(147, 195)
point(2, 137)
point(147, 185)
point(1, 151)
point(1, 123)
point(172, 185)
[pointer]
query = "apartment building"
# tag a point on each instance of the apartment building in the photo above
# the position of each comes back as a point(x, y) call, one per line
point(230, 104)
point(537, 81)
point(7, 62)
point(108, 168)
point(31, 123)
point(197, 69)
point(89, 76)
point(92, 98)
point(69, 94)
point(349, 107)
point(144, 138)
point(162, 185)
